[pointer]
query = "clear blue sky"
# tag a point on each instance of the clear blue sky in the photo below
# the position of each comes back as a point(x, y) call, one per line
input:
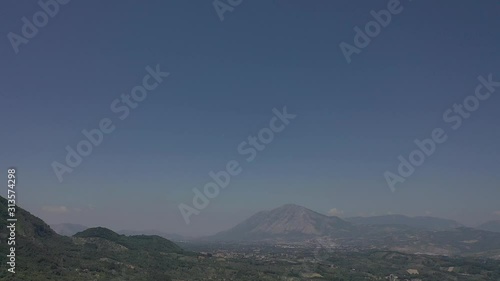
point(353, 120)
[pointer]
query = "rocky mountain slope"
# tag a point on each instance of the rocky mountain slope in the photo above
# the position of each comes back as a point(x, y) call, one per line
point(289, 222)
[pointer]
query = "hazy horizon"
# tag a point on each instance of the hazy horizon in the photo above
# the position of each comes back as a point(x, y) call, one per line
point(331, 212)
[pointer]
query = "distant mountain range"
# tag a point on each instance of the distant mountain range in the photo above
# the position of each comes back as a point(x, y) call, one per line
point(490, 226)
point(287, 223)
point(429, 223)
point(293, 222)
point(296, 224)
point(68, 229)
point(169, 236)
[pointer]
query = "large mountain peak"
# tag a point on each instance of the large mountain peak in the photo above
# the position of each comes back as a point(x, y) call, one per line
point(292, 209)
point(290, 221)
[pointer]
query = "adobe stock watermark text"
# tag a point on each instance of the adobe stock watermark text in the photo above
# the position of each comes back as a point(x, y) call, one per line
point(121, 107)
point(30, 28)
point(223, 6)
point(248, 149)
point(372, 29)
point(454, 117)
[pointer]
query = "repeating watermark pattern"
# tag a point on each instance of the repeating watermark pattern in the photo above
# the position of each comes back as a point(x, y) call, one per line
point(453, 116)
point(121, 107)
point(223, 6)
point(30, 28)
point(363, 38)
point(249, 149)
